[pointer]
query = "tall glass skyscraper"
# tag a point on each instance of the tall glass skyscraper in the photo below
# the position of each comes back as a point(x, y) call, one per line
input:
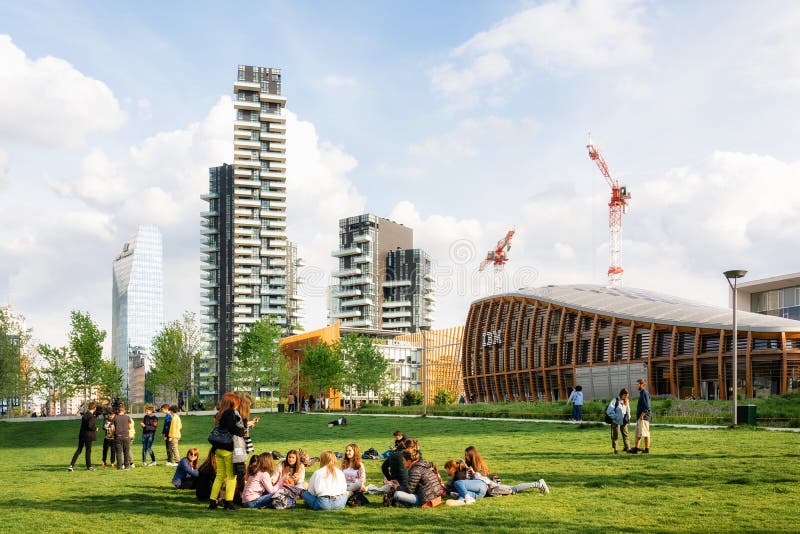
point(138, 307)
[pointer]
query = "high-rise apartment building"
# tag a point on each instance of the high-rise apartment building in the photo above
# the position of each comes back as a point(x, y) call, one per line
point(137, 307)
point(245, 251)
point(383, 282)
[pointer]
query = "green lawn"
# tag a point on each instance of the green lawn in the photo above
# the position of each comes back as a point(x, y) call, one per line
point(694, 480)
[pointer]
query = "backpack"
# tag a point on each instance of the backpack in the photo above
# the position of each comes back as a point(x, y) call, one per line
point(608, 419)
point(370, 454)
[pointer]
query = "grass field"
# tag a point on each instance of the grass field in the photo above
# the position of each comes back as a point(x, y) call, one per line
point(733, 480)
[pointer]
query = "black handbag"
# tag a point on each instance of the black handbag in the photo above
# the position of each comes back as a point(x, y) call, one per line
point(221, 438)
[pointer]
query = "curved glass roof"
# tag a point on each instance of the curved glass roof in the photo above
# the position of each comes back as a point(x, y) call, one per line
point(647, 306)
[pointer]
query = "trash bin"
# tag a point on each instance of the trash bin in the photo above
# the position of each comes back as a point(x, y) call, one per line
point(746, 414)
point(280, 407)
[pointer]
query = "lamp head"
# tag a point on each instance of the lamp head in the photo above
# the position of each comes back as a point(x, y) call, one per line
point(736, 273)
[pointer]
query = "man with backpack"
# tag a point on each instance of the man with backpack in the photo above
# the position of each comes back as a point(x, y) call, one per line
point(618, 415)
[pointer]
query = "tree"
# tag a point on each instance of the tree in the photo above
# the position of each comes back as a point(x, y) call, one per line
point(55, 379)
point(176, 350)
point(85, 344)
point(110, 381)
point(258, 360)
point(13, 339)
point(367, 368)
point(322, 368)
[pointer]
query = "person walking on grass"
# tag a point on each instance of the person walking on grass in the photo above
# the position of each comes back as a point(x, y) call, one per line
point(576, 399)
point(643, 413)
point(619, 410)
point(149, 424)
point(86, 435)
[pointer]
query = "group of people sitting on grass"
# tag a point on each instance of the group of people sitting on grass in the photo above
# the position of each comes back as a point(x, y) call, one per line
point(408, 479)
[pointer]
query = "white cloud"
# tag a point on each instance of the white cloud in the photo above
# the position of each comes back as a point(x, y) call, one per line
point(100, 181)
point(3, 168)
point(559, 34)
point(319, 193)
point(338, 81)
point(144, 109)
point(48, 102)
point(471, 135)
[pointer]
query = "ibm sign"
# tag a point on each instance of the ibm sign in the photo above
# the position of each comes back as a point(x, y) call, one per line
point(493, 337)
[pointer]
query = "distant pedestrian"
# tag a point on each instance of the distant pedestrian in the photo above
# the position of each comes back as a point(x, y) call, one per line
point(290, 402)
point(174, 434)
point(149, 424)
point(86, 436)
point(305, 404)
point(643, 414)
point(576, 399)
point(311, 401)
point(165, 434)
point(122, 438)
point(619, 410)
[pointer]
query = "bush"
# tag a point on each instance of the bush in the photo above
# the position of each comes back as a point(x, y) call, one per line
point(412, 397)
point(386, 400)
point(444, 398)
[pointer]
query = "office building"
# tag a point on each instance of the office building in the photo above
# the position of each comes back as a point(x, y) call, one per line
point(245, 251)
point(538, 343)
point(137, 307)
point(778, 296)
point(383, 282)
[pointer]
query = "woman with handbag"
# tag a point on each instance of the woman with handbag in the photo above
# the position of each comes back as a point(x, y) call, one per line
point(227, 424)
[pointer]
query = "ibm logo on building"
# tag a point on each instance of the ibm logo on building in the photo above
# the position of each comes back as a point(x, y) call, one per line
point(493, 337)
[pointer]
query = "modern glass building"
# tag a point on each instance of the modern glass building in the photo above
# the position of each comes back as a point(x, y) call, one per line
point(778, 296)
point(137, 307)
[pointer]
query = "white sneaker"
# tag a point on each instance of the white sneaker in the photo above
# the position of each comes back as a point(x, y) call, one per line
point(457, 502)
point(172, 464)
point(469, 499)
point(543, 486)
point(133, 465)
point(372, 489)
point(153, 463)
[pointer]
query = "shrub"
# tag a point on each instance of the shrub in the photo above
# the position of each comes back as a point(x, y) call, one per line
point(412, 397)
point(386, 400)
point(444, 397)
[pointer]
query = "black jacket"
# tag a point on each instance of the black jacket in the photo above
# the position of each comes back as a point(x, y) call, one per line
point(393, 468)
point(88, 427)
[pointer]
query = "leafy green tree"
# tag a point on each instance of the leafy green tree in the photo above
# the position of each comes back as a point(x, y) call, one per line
point(258, 360)
point(13, 340)
point(322, 369)
point(366, 367)
point(175, 351)
point(444, 397)
point(55, 378)
point(412, 397)
point(110, 381)
point(85, 344)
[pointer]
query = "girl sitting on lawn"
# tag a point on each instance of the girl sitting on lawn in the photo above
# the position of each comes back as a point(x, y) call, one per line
point(424, 486)
point(327, 488)
point(258, 487)
point(186, 473)
point(290, 472)
point(353, 469)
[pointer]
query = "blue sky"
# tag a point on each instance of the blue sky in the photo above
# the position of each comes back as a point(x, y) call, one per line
point(460, 119)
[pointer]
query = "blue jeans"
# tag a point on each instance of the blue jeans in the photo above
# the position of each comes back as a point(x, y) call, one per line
point(407, 498)
point(576, 412)
point(476, 488)
point(147, 445)
point(324, 503)
point(261, 502)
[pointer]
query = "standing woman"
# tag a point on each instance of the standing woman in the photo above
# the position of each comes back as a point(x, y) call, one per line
point(327, 488)
point(228, 420)
point(576, 399)
point(353, 469)
point(619, 410)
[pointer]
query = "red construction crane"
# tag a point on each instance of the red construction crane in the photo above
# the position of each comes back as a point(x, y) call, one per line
point(616, 207)
point(498, 256)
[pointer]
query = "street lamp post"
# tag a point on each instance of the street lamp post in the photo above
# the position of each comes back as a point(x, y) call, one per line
point(735, 275)
point(424, 330)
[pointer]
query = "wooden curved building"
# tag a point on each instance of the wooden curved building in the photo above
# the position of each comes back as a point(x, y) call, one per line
point(538, 343)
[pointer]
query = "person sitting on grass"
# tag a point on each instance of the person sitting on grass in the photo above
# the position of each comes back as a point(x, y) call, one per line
point(395, 473)
point(353, 469)
point(258, 488)
point(186, 474)
point(207, 473)
point(424, 486)
point(327, 488)
point(477, 484)
point(290, 471)
point(399, 438)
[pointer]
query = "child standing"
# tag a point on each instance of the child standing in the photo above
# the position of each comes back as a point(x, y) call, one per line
point(122, 438)
point(108, 441)
point(149, 424)
point(165, 433)
point(259, 488)
point(174, 434)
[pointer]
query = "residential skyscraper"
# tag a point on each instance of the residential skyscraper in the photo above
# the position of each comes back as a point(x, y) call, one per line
point(137, 307)
point(383, 282)
point(245, 251)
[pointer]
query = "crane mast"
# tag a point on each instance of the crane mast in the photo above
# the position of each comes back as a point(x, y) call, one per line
point(616, 207)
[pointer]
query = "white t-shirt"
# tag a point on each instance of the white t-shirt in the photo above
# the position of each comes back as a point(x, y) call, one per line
point(322, 484)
